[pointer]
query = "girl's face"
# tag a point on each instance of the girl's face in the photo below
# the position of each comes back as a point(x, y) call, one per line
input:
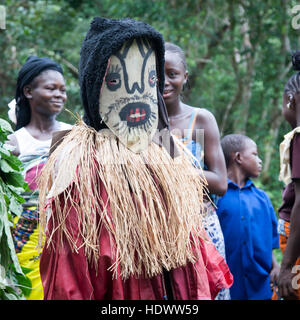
point(175, 77)
point(47, 93)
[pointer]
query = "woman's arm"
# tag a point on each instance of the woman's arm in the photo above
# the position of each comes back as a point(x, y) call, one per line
point(292, 251)
point(216, 174)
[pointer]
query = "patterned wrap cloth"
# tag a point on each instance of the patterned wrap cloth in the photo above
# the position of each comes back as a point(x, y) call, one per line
point(26, 231)
point(211, 222)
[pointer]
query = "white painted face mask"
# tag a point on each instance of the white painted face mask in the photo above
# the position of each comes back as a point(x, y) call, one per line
point(128, 98)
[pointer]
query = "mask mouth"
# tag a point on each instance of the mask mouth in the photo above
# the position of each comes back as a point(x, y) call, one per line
point(135, 114)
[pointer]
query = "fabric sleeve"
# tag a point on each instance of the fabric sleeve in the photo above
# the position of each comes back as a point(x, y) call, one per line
point(295, 157)
point(275, 235)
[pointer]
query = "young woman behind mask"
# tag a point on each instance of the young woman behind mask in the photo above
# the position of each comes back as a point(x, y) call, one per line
point(189, 123)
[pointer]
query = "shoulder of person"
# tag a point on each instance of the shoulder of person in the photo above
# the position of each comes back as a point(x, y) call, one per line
point(263, 194)
point(204, 116)
point(204, 113)
point(12, 138)
point(261, 191)
point(296, 139)
point(12, 141)
point(65, 126)
point(206, 120)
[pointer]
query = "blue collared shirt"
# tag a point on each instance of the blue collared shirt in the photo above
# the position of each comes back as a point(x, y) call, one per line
point(249, 226)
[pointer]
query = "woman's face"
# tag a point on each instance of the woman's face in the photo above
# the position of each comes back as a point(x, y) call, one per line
point(175, 77)
point(47, 93)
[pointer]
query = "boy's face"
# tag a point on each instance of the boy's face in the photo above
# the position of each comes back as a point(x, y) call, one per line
point(249, 160)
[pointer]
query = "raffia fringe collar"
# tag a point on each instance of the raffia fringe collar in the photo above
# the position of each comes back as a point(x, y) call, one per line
point(284, 149)
point(155, 203)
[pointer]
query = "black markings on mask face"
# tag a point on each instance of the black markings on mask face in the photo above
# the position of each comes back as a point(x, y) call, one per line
point(145, 50)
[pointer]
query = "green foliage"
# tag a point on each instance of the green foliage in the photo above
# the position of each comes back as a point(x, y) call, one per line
point(12, 184)
point(238, 56)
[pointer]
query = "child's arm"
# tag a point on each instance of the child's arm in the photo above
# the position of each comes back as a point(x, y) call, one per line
point(292, 251)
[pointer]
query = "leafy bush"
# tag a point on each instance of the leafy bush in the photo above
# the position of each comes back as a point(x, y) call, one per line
point(13, 283)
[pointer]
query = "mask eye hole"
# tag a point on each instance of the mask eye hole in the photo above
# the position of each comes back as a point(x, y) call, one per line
point(152, 78)
point(113, 81)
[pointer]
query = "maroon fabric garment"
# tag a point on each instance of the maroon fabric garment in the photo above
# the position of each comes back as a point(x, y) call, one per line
point(288, 195)
point(32, 175)
point(68, 275)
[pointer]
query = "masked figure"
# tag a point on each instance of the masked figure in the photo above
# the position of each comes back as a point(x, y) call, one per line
point(122, 204)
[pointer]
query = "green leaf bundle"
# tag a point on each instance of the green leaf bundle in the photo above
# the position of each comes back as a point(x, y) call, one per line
point(13, 282)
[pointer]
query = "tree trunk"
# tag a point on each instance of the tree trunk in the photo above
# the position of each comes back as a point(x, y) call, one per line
point(270, 145)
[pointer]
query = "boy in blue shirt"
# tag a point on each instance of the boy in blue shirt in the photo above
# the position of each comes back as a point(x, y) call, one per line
point(248, 222)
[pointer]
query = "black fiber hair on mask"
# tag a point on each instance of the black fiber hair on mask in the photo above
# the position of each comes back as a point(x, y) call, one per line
point(33, 67)
point(104, 38)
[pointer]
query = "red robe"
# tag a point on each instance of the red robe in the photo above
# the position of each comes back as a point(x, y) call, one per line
point(68, 275)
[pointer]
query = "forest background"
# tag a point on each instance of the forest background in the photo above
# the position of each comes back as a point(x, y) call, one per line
point(238, 55)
